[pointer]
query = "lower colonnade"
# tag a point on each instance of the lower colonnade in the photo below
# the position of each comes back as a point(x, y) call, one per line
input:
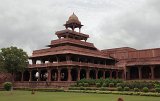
point(74, 74)
point(67, 74)
point(147, 72)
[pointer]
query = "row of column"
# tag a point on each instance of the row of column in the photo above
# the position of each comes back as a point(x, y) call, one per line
point(151, 72)
point(80, 73)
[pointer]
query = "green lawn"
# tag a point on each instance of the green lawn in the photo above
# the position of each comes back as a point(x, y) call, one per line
point(66, 96)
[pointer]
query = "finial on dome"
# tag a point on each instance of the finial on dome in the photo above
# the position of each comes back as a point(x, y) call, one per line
point(73, 22)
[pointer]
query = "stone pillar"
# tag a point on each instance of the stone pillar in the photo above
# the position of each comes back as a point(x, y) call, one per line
point(59, 74)
point(39, 78)
point(140, 72)
point(128, 74)
point(110, 74)
point(79, 73)
point(103, 74)
point(117, 74)
point(124, 74)
point(96, 72)
point(42, 61)
point(87, 73)
point(49, 75)
point(33, 61)
point(30, 75)
point(152, 72)
point(67, 58)
point(69, 74)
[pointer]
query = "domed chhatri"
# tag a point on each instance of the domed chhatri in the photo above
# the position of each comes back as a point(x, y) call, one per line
point(73, 22)
point(73, 18)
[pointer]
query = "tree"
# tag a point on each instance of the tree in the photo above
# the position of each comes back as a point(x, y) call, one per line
point(1, 63)
point(13, 59)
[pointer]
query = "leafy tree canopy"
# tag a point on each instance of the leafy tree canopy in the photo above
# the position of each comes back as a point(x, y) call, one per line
point(1, 63)
point(13, 59)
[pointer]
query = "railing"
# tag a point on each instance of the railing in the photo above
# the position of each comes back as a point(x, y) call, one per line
point(71, 49)
point(147, 61)
point(71, 63)
point(65, 40)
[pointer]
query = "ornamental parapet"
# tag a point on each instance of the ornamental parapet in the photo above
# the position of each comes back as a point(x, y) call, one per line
point(68, 49)
point(73, 41)
point(73, 63)
point(144, 61)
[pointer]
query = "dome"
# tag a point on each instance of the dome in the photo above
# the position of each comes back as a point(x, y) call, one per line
point(73, 19)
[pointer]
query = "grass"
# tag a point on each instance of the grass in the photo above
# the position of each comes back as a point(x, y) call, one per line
point(66, 96)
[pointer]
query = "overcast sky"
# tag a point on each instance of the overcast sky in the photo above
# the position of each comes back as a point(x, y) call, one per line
point(31, 24)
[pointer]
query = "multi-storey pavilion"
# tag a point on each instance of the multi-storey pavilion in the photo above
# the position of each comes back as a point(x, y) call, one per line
point(71, 58)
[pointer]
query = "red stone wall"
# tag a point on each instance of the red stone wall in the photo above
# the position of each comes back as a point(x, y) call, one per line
point(125, 53)
point(4, 77)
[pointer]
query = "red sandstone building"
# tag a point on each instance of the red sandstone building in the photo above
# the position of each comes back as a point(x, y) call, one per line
point(70, 58)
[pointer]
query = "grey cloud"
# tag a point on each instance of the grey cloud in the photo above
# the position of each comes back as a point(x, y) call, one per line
point(136, 27)
point(31, 24)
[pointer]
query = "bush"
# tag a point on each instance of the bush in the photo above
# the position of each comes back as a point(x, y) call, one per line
point(99, 81)
point(119, 84)
point(7, 86)
point(111, 84)
point(98, 85)
point(82, 88)
point(119, 88)
point(126, 88)
point(145, 89)
point(104, 85)
point(157, 90)
point(80, 84)
point(86, 84)
point(103, 88)
point(136, 89)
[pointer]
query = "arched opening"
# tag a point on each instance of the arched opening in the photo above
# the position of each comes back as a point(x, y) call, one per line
point(64, 74)
point(82, 73)
point(100, 74)
point(92, 74)
point(134, 74)
point(54, 75)
point(74, 74)
point(114, 74)
point(18, 76)
point(120, 74)
point(146, 72)
point(33, 75)
point(157, 72)
point(43, 75)
point(107, 74)
point(26, 75)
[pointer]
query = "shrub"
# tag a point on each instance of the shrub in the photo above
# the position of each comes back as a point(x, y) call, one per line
point(7, 86)
point(99, 81)
point(119, 84)
point(126, 88)
point(82, 88)
point(111, 84)
point(80, 84)
point(145, 89)
point(86, 84)
point(98, 85)
point(103, 88)
point(104, 85)
point(136, 89)
point(119, 88)
point(157, 90)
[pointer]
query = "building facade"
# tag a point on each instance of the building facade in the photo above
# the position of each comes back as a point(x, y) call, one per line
point(70, 58)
